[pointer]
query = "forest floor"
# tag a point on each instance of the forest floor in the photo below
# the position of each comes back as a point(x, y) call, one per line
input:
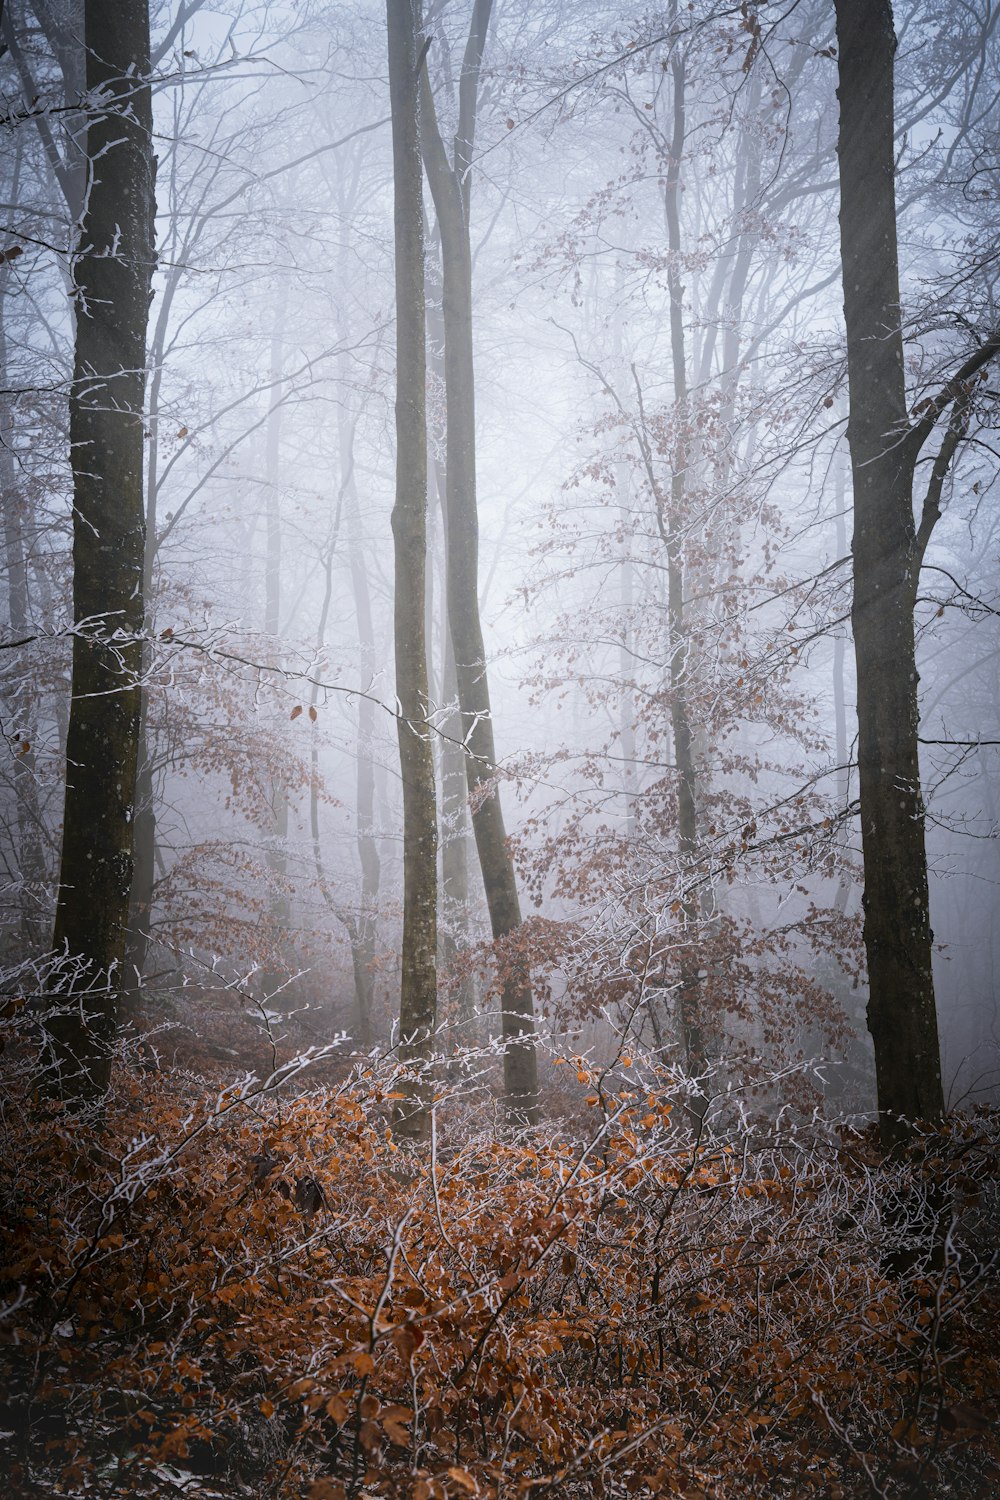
point(257, 1289)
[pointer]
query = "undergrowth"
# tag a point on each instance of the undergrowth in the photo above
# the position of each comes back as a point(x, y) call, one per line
point(261, 1291)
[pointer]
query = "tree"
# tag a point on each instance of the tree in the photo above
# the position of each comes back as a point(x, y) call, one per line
point(418, 993)
point(888, 549)
point(451, 188)
point(112, 274)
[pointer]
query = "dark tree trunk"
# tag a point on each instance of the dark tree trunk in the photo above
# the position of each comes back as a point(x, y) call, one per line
point(418, 994)
point(451, 188)
point(112, 276)
point(901, 1012)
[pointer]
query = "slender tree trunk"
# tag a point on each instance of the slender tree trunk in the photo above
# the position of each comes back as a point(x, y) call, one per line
point(453, 929)
point(418, 993)
point(843, 782)
point(360, 927)
point(689, 992)
point(30, 827)
point(451, 188)
point(363, 941)
point(626, 672)
point(274, 973)
point(363, 930)
point(144, 843)
point(112, 275)
point(901, 1011)
point(455, 847)
point(626, 583)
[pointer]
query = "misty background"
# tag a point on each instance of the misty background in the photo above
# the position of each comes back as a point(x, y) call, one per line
point(271, 803)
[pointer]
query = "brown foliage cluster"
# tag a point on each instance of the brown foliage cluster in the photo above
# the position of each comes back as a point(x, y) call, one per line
point(262, 1292)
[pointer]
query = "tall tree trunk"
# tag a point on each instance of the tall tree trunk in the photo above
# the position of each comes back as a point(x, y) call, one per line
point(670, 519)
point(841, 749)
point(112, 275)
point(360, 926)
point(144, 842)
point(30, 826)
point(274, 973)
point(363, 938)
point(454, 848)
point(364, 932)
point(450, 184)
point(453, 929)
point(901, 1011)
point(418, 993)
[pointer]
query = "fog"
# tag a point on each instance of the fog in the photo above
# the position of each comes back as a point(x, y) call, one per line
point(269, 737)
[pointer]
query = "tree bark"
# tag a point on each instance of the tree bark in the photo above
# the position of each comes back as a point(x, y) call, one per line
point(360, 926)
point(30, 825)
point(454, 850)
point(454, 915)
point(112, 277)
point(450, 184)
point(274, 972)
point(901, 1012)
point(689, 991)
point(144, 853)
point(418, 993)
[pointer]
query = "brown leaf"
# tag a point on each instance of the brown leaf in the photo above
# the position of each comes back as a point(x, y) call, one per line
point(295, 711)
point(394, 1420)
point(312, 714)
point(336, 1408)
point(407, 1339)
point(464, 1480)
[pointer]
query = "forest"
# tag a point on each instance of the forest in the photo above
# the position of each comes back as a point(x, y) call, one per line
point(499, 781)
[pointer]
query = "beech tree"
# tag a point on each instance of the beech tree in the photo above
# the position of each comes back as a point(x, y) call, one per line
point(418, 994)
point(888, 548)
point(451, 187)
point(112, 271)
point(289, 1250)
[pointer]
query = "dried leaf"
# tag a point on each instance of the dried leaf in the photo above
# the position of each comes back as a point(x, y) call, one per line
point(464, 1480)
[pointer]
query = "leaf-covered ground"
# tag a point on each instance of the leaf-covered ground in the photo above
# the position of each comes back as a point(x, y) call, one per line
point(260, 1291)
